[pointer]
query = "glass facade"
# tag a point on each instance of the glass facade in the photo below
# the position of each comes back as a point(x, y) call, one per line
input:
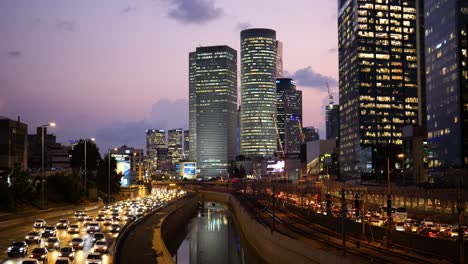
point(216, 109)
point(174, 144)
point(192, 106)
point(378, 76)
point(258, 93)
point(288, 116)
point(155, 139)
point(279, 59)
point(332, 119)
point(447, 82)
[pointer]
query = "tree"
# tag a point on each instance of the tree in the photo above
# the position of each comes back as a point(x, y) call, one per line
point(21, 185)
point(102, 178)
point(63, 188)
point(78, 156)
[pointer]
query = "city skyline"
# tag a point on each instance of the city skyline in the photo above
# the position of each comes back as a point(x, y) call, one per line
point(79, 41)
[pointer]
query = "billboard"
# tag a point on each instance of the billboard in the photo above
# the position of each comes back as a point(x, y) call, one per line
point(275, 166)
point(186, 169)
point(123, 167)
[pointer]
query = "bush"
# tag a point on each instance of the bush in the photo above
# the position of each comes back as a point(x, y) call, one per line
point(63, 188)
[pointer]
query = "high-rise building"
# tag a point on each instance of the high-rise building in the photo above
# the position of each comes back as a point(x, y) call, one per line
point(216, 108)
point(446, 42)
point(332, 121)
point(155, 139)
point(174, 144)
point(129, 164)
point(288, 116)
point(310, 134)
point(13, 144)
point(258, 92)
point(378, 80)
point(192, 106)
point(186, 144)
point(279, 59)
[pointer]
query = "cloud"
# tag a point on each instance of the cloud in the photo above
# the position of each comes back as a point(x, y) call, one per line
point(332, 50)
point(194, 11)
point(165, 114)
point(14, 54)
point(243, 25)
point(310, 78)
point(65, 25)
point(129, 9)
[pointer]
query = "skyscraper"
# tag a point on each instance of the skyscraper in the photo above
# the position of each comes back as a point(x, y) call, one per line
point(258, 92)
point(332, 120)
point(378, 79)
point(155, 139)
point(174, 144)
point(446, 43)
point(186, 144)
point(216, 108)
point(288, 116)
point(279, 59)
point(192, 106)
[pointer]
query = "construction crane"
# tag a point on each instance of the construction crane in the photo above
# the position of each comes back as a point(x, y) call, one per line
point(330, 96)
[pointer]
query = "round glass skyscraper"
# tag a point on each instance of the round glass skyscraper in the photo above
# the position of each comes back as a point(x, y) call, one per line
point(258, 92)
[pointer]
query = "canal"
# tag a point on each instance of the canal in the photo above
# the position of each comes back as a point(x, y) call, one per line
point(212, 237)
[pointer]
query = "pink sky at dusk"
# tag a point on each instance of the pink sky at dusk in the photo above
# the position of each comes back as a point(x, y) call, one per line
point(111, 68)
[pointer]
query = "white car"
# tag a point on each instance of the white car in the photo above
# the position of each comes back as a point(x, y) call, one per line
point(62, 224)
point(101, 246)
point(93, 228)
point(52, 242)
point(73, 229)
point(40, 223)
point(94, 258)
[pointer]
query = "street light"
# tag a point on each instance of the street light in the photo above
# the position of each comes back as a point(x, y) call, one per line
point(85, 167)
point(52, 124)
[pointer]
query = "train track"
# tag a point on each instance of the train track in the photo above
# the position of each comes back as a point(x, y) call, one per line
point(368, 251)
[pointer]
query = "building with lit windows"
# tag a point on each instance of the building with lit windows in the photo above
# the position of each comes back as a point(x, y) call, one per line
point(288, 116)
point(378, 80)
point(258, 93)
point(192, 107)
point(130, 164)
point(186, 144)
point(155, 139)
point(447, 83)
point(215, 80)
point(310, 133)
point(332, 121)
point(174, 144)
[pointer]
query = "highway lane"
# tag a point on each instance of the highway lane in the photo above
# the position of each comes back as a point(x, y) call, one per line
point(18, 233)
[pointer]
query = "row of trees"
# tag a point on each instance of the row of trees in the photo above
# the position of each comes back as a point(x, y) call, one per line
point(21, 187)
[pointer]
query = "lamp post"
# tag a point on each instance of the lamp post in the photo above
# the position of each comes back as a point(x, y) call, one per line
point(85, 168)
point(52, 124)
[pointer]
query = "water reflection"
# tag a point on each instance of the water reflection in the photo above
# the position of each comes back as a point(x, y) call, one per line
point(212, 238)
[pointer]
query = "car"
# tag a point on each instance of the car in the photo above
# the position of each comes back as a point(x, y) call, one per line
point(62, 224)
point(82, 216)
point(49, 231)
point(61, 260)
point(30, 261)
point(94, 258)
point(40, 223)
point(115, 217)
point(33, 236)
point(93, 228)
point(444, 227)
point(78, 213)
point(77, 243)
point(39, 253)
point(115, 228)
point(18, 248)
point(98, 236)
point(67, 252)
point(400, 226)
point(100, 246)
point(107, 222)
point(101, 217)
point(73, 229)
point(52, 243)
point(130, 217)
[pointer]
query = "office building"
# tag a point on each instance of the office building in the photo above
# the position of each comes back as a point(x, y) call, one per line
point(258, 92)
point(310, 133)
point(216, 109)
point(13, 144)
point(155, 139)
point(186, 144)
point(332, 121)
point(35, 149)
point(378, 81)
point(288, 116)
point(279, 59)
point(174, 144)
point(129, 164)
point(192, 106)
point(446, 41)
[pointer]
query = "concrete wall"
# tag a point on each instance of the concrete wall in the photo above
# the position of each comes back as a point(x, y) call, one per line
point(272, 246)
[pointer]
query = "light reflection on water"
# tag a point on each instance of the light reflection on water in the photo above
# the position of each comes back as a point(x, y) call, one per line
point(212, 238)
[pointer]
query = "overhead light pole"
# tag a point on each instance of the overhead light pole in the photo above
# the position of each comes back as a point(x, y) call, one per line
point(85, 168)
point(52, 124)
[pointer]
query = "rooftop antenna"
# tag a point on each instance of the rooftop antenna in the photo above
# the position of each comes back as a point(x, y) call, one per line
point(330, 96)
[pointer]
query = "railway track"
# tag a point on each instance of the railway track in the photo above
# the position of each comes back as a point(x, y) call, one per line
point(363, 249)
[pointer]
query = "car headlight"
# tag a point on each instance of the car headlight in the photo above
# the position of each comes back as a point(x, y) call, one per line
point(31, 256)
point(81, 244)
point(21, 249)
point(36, 237)
point(60, 255)
point(56, 244)
point(9, 249)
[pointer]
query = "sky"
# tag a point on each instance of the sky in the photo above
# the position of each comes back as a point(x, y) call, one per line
point(110, 69)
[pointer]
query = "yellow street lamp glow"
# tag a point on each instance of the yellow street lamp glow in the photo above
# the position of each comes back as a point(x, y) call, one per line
point(401, 155)
point(93, 139)
point(52, 124)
